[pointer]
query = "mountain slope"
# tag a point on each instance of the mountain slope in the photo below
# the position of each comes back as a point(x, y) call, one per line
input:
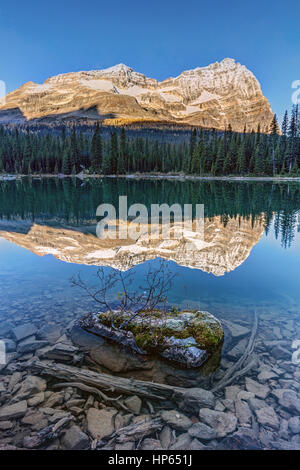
point(214, 96)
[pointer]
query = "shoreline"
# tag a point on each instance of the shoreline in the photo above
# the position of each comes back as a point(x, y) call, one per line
point(10, 177)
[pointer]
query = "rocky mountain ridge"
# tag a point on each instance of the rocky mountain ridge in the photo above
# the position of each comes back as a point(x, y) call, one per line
point(214, 96)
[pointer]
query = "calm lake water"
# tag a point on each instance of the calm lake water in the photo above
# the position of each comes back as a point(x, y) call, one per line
point(249, 260)
point(47, 234)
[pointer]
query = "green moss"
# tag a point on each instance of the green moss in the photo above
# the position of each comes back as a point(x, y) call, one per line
point(206, 331)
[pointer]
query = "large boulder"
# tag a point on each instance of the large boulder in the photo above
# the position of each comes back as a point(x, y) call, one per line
point(188, 338)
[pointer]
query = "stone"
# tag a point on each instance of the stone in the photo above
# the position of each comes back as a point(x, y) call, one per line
point(243, 412)
point(236, 330)
point(266, 375)
point(49, 333)
point(126, 446)
point(284, 429)
point(237, 351)
point(75, 439)
point(182, 442)
point(223, 423)
point(36, 399)
point(30, 386)
point(151, 444)
point(267, 417)
point(259, 390)
point(134, 404)
point(23, 331)
point(176, 420)
point(196, 398)
point(100, 423)
point(165, 437)
point(256, 404)
point(6, 425)
point(10, 345)
point(204, 330)
point(33, 418)
point(229, 405)
point(17, 410)
point(290, 401)
point(202, 431)
point(242, 439)
point(280, 353)
point(196, 445)
point(232, 392)
point(294, 424)
point(15, 378)
point(30, 346)
point(55, 399)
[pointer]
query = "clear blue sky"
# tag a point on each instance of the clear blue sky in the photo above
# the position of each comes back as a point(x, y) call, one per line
point(159, 38)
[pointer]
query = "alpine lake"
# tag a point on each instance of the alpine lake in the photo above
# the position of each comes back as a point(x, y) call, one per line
point(246, 272)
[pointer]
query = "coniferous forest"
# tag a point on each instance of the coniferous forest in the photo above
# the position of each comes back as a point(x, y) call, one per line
point(204, 153)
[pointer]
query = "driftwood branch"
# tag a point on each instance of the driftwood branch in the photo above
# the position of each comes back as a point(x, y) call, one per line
point(48, 434)
point(85, 388)
point(237, 369)
point(108, 383)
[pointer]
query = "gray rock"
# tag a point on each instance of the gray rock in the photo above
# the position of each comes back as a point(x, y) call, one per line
point(290, 401)
point(27, 346)
point(30, 386)
point(10, 345)
point(17, 410)
point(23, 331)
point(151, 444)
point(6, 425)
point(15, 378)
point(266, 375)
point(126, 446)
point(134, 404)
point(284, 445)
point(182, 443)
point(223, 423)
point(229, 405)
point(49, 333)
point(284, 429)
point(197, 445)
point(242, 439)
point(279, 352)
point(259, 390)
point(236, 330)
point(176, 420)
point(75, 439)
point(36, 399)
point(238, 350)
point(100, 423)
point(203, 432)
point(243, 412)
point(294, 424)
point(165, 437)
point(196, 398)
point(5, 328)
point(267, 417)
point(256, 404)
point(232, 392)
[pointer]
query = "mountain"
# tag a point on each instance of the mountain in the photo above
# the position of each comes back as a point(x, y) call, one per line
point(214, 96)
point(223, 249)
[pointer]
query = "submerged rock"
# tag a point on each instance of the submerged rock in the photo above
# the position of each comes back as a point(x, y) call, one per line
point(186, 338)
